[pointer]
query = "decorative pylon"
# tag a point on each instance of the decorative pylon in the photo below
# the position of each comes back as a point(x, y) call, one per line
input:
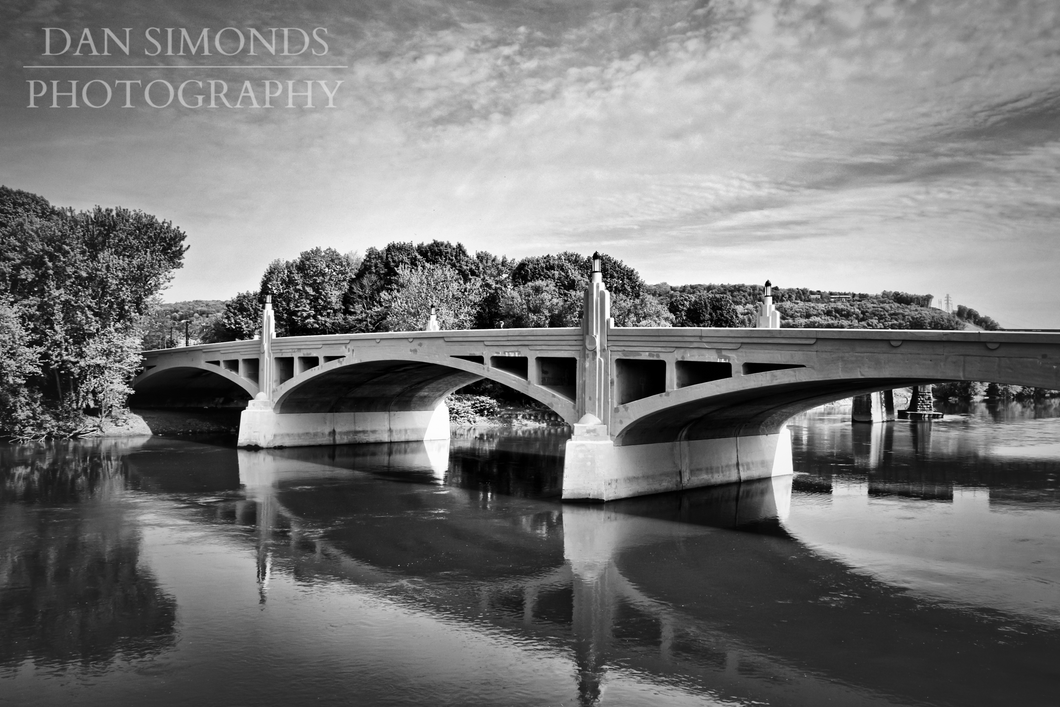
point(268, 333)
point(768, 316)
point(596, 320)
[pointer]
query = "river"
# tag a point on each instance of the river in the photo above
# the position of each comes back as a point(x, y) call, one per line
point(903, 564)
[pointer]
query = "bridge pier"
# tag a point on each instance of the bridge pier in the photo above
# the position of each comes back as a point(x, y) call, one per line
point(921, 405)
point(261, 426)
point(873, 407)
point(595, 469)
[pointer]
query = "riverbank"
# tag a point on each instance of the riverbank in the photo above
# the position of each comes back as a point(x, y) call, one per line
point(511, 418)
point(139, 423)
point(474, 410)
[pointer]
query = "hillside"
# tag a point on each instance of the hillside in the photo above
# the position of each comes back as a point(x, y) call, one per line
point(802, 308)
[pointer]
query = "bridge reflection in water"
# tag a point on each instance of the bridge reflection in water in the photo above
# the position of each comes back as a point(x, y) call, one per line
point(656, 586)
point(553, 573)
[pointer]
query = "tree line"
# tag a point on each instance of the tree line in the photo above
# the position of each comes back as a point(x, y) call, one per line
point(967, 314)
point(396, 288)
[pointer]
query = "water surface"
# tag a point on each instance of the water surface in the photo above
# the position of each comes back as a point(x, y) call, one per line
point(902, 564)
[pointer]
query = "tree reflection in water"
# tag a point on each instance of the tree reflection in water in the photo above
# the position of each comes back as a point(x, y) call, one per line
point(72, 589)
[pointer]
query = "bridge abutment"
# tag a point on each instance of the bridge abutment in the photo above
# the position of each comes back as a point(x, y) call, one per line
point(261, 426)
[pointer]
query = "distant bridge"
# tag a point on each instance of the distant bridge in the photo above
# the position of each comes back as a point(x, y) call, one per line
point(652, 409)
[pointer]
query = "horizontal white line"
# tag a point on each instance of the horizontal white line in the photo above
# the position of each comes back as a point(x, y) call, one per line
point(149, 66)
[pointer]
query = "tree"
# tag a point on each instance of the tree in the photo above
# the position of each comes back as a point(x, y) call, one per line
point(567, 271)
point(494, 274)
point(961, 390)
point(970, 315)
point(134, 255)
point(240, 319)
point(644, 311)
point(428, 286)
point(906, 298)
point(16, 204)
point(1004, 391)
point(378, 277)
point(308, 293)
point(80, 283)
point(619, 278)
point(547, 290)
point(19, 402)
point(704, 310)
point(107, 364)
point(540, 303)
point(379, 268)
point(450, 255)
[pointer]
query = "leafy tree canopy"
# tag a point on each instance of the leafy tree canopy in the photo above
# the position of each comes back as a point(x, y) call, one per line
point(78, 284)
point(704, 310)
point(240, 318)
point(436, 287)
point(308, 293)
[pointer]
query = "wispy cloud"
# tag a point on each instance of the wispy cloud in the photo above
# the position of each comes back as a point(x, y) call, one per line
point(695, 140)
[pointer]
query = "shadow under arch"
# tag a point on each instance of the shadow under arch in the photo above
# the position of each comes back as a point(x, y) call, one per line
point(191, 386)
point(739, 406)
point(392, 384)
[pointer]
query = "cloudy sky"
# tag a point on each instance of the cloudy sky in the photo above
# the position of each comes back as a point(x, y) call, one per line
point(847, 145)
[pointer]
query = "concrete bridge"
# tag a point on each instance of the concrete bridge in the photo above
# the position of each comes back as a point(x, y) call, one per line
point(652, 409)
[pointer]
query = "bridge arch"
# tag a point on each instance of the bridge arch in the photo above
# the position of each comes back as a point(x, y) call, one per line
point(761, 403)
point(188, 384)
point(395, 383)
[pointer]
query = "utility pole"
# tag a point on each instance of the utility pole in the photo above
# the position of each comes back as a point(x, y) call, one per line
point(949, 304)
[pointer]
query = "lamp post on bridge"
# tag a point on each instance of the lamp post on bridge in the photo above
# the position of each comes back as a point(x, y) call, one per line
point(768, 316)
point(432, 321)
